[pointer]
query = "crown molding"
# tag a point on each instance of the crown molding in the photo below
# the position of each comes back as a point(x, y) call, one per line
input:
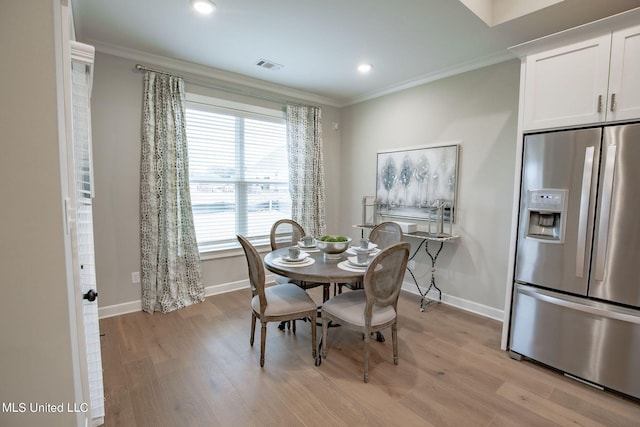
point(202, 74)
point(577, 34)
point(82, 52)
point(463, 67)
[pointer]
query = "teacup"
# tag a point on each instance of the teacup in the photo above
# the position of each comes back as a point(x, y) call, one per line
point(364, 243)
point(294, 252)
point(362, 257)
point(307, 240)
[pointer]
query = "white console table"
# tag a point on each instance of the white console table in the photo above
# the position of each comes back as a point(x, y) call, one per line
point(425, 238)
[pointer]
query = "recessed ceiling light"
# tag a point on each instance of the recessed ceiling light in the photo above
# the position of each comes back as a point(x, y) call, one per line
point(364, 68)
point(205, 7)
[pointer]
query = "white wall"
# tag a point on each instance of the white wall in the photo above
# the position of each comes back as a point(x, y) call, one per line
point(116, 125)
point(35, 339)
point(477, 110)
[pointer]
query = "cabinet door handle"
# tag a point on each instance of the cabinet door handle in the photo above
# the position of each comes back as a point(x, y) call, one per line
point(613, 102)
point(599, 103)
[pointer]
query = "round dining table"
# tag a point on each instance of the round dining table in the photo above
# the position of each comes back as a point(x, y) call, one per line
point(321, 270)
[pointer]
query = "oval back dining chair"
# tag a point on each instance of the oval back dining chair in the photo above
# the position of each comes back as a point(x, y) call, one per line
point(376, 306)
point(386, 234)
point(275, 303)
point(285, 232)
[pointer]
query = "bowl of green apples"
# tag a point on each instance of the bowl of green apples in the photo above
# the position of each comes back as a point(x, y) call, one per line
point(333, 246)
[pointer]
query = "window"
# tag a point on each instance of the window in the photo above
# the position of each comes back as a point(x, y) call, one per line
point(238, 171)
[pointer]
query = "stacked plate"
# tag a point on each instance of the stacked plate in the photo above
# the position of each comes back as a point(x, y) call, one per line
point(353, 262)
point(301, 258)
point(301, 245)
point(372, 250)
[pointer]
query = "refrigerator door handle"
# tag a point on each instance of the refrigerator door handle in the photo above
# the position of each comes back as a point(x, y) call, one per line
point(585, 306)
point(605, 211)
point(585, 194)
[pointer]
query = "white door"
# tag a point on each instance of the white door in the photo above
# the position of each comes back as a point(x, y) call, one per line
point(81, 229)
point(624, 83)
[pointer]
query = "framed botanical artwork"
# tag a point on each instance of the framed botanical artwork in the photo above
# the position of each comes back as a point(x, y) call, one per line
point(414, 183)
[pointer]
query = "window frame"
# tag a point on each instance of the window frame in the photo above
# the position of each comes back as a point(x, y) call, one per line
point(247, 111)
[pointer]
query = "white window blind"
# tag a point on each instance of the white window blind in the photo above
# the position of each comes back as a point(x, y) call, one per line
point(238, 173)
point(81, 133)
point(82, 164)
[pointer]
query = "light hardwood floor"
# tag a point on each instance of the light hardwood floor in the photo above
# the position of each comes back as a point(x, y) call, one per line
point(194, 367)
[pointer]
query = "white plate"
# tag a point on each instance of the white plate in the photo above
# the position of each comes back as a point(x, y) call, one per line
point(347, 266)
point(353, 260)
point(303, 246)
point(371, 247)
point(372, 252)
point(301, 257)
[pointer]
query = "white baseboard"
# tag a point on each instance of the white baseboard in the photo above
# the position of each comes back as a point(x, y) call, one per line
point(483, 310)
point(118, 309)
point(473, 307)
point(134, 306)
point(226, 287)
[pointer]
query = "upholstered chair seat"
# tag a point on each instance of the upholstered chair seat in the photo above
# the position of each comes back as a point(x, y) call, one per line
point(283, 299)
point(350, 308)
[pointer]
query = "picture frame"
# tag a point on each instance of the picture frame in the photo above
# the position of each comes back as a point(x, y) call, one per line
point(414, 183)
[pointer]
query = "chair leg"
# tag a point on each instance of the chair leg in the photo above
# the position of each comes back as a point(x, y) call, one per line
point(314, 332)
point(394, 338)
point(367, 338)
point(263, 339)
point(253, 328)
point(325, 344)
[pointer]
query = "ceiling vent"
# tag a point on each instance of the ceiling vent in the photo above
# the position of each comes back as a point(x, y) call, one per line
point(269, 65)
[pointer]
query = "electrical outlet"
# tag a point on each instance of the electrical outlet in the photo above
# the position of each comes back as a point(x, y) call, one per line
point(135, 277)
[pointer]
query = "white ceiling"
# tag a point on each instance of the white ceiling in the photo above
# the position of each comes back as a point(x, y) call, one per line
point(320, 42)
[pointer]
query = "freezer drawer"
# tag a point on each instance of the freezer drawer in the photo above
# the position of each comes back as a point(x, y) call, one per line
point(594, 341)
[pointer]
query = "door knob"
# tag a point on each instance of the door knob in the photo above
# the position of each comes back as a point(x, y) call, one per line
point(90, 296)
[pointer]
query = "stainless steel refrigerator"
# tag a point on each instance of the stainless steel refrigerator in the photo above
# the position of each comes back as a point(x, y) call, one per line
point(576, 299)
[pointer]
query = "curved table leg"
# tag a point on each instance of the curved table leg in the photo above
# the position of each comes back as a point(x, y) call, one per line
point(432, 283)
point(434, 258)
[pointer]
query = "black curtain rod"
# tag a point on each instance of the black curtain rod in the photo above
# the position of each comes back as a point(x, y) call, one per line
point(201, 82)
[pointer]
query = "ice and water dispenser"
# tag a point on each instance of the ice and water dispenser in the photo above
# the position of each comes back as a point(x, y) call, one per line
point(546, 215)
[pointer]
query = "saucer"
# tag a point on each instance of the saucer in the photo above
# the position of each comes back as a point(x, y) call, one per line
point(371, 247)
point(303, 246)
point(353, 260)
point(353, 251)
point(286, 258)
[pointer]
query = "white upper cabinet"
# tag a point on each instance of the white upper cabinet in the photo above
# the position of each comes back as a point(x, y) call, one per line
point(624, 80)
point(591, 81)
point(568, 85)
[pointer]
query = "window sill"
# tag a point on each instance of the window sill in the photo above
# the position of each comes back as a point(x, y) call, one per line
point(232, 250)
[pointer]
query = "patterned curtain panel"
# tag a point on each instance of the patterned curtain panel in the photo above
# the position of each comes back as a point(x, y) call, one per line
point(306, 170)
point(170, 262)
